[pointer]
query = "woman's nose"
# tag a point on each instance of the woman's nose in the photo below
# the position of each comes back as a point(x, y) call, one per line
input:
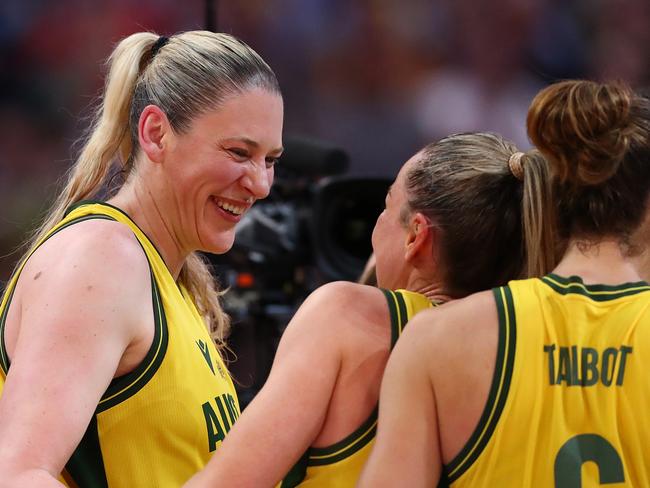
point(258, 179)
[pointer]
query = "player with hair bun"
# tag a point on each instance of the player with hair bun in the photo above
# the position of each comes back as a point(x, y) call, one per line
point(542, 382)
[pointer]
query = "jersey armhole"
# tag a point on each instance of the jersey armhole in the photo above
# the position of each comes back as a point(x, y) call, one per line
point(321, 456)
point(398, 314)
point(4, 357)
point(125, 386)
point(498, 390)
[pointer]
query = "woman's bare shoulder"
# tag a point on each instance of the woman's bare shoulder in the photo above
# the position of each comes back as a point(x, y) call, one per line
point(348, 302)
point(458, 322)
point(338, 311)
point(96, 266)
point(100, 246)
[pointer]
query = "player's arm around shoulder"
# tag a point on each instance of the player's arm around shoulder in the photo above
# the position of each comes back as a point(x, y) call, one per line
point(284, 418)
point(407, 450)
point(80, 304)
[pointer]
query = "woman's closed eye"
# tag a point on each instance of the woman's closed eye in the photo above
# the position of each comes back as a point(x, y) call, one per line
point(272, 161)
point(244, 155)
point(239, 153)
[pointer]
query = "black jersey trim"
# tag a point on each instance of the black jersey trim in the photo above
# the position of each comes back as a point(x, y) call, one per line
point(394, 315)
point(117, 209)
point(598, 293)
point(123, 387)
point(4, 357)
point(297, 474)
point(403, 313)
point(364, 434)
point(498, 390)
point(126, 386)
point(86, 465)
point(398, 314)
point(321, 456)
point(399, 317)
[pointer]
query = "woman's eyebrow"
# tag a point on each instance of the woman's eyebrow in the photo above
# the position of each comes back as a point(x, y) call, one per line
point(254, 144)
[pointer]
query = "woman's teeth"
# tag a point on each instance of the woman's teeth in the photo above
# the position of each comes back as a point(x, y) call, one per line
point(233, 209)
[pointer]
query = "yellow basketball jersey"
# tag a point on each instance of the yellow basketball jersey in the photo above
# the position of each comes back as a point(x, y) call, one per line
point(340, 465)
point(570, 393)
point(158, 425)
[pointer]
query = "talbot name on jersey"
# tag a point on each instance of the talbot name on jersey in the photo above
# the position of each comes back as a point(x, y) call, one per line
point(586, 366)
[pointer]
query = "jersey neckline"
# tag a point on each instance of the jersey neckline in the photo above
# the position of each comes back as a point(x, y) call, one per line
point(82, 203)
point(575, 285)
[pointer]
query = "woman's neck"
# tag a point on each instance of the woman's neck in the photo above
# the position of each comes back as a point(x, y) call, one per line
point(435, 292)
point(145, 211)
point(601, 262)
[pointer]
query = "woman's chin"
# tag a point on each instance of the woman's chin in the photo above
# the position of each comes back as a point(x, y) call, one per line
point(221, 245)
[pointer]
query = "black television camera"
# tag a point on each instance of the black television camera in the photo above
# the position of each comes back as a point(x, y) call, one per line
point(314, 227)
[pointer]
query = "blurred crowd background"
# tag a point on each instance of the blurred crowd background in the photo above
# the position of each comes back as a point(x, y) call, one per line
point(378, 78)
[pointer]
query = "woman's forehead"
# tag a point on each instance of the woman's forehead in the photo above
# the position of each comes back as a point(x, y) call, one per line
point(400, 180)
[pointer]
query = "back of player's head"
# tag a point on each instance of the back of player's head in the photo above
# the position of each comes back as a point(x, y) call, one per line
point(491, 204)
point(596, 138)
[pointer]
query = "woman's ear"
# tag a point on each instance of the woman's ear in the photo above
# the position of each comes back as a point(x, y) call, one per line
point(420, 237)
point(152, 128)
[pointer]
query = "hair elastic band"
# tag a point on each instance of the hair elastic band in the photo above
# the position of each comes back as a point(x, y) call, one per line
point(158, 45)
point(516, 168)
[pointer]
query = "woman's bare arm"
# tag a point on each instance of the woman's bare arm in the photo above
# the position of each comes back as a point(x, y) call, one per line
point(288, 413)
point(406, 451)
point(78, 310)
point(445, 354)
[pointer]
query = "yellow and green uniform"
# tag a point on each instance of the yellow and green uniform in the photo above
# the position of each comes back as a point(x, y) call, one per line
point(340, 465)
point(157, 425)
point(570, 393)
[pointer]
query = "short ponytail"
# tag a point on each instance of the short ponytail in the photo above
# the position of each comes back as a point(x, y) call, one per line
point(495, 225)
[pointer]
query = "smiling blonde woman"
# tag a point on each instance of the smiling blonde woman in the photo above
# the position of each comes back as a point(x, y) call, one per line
point(109, 372)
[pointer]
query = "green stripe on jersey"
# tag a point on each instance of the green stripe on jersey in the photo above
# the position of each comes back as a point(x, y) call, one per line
point(498, 390)
point(320, 456)
point(86, 465)
point(599, 293)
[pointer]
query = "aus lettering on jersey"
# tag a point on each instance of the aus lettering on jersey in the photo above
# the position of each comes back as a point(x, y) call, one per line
point(220, 414)
point(586, 366)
